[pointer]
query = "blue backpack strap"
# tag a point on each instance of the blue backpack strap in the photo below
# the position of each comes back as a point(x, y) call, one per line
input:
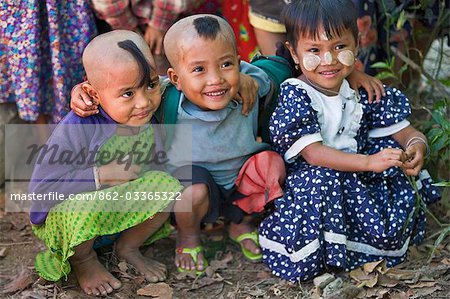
point(278, 69)
point(168, 111)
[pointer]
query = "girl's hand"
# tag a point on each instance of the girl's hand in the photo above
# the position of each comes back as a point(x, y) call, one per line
point(385, 159)
point(248, 89)
point(116, 173)
point(81, 103)
point(370, 84)
point(154, 38)
point(415, 154)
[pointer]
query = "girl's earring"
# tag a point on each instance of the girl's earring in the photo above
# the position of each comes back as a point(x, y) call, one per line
point(297, 67)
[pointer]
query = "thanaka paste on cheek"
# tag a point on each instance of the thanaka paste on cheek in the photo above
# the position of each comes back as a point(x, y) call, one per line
point(311, 62)
point(346, 57)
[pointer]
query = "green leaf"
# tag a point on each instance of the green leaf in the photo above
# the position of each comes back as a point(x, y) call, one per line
point(439, 240)
point(380, 65)
point(403, 69)
point(401, 20)
point(445, 81)
point(385, 75)
point(442, 184)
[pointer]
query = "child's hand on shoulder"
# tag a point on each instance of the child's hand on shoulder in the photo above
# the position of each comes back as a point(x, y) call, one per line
point(116, 173)
point(372, 85)
point(81, 103)
point(248, 89)
point(415, 156)
point(386, 158)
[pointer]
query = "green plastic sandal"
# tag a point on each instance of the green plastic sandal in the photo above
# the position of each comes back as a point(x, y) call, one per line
point(253, 257)
point(193, 252)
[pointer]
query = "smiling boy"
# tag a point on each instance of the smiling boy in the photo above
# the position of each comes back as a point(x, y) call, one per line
point(205, 68)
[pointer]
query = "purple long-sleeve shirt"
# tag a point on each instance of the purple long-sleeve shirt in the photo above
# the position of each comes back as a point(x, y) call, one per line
point(78, 138)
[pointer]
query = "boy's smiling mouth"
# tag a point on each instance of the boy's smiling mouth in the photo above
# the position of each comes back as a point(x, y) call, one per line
point(216, 93)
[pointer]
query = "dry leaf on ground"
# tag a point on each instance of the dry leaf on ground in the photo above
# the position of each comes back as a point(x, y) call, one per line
point(399, 295)
point(370, 267)
point(423, 284)
point(359, 275)
point(386, 281)
point(159, 290)
point(422, 292)
point(373, 293)
point(446, 261)
point(218, 264)
point(348, 292)
point(205, 281)
point(401, 274)
point(123, 266)
point(20, 282)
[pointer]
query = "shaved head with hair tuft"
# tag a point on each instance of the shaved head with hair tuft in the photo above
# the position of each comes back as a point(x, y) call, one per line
point(118, 46)
point(203, 26)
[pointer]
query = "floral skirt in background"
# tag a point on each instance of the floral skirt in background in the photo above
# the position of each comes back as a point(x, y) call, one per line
point(40, 54)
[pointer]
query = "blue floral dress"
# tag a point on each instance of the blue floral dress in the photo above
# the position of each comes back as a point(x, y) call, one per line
point(330, 218)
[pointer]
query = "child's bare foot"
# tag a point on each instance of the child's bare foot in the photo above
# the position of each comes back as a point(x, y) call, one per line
point(185, 261)
point(236, 230)
point(93, 278)
point(152, 270)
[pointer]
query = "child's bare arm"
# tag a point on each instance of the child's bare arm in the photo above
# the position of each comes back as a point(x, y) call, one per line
point(321, 155)
point(371, 84)
point(81, 103)
point(248, 89)
point(154, 38)
point(416, 148)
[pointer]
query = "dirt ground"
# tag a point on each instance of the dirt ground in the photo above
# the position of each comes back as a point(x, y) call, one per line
point(229, 275)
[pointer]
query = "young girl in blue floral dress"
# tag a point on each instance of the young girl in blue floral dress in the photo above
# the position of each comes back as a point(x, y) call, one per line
point(347, 197)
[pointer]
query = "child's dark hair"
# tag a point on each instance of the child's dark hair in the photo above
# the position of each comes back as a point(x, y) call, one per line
point(207, 27)
point(305, 17)
point(144, 67)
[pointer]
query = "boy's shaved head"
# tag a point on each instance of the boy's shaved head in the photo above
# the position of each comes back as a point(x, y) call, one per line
point(118, 46)
point(203, 26)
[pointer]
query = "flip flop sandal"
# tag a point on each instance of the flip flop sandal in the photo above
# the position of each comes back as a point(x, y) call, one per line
point(253, 257)
point(193, 252)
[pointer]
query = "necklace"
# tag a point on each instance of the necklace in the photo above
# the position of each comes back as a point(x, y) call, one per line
point(321, 88)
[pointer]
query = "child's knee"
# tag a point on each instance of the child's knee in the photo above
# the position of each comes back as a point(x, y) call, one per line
point(199, 195)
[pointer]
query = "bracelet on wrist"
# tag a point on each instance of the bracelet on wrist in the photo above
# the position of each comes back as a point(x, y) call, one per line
point(418, 139)
point(98, 185)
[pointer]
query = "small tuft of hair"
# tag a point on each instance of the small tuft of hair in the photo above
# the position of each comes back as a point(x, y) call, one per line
point(207, 27)
point(144, 67)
